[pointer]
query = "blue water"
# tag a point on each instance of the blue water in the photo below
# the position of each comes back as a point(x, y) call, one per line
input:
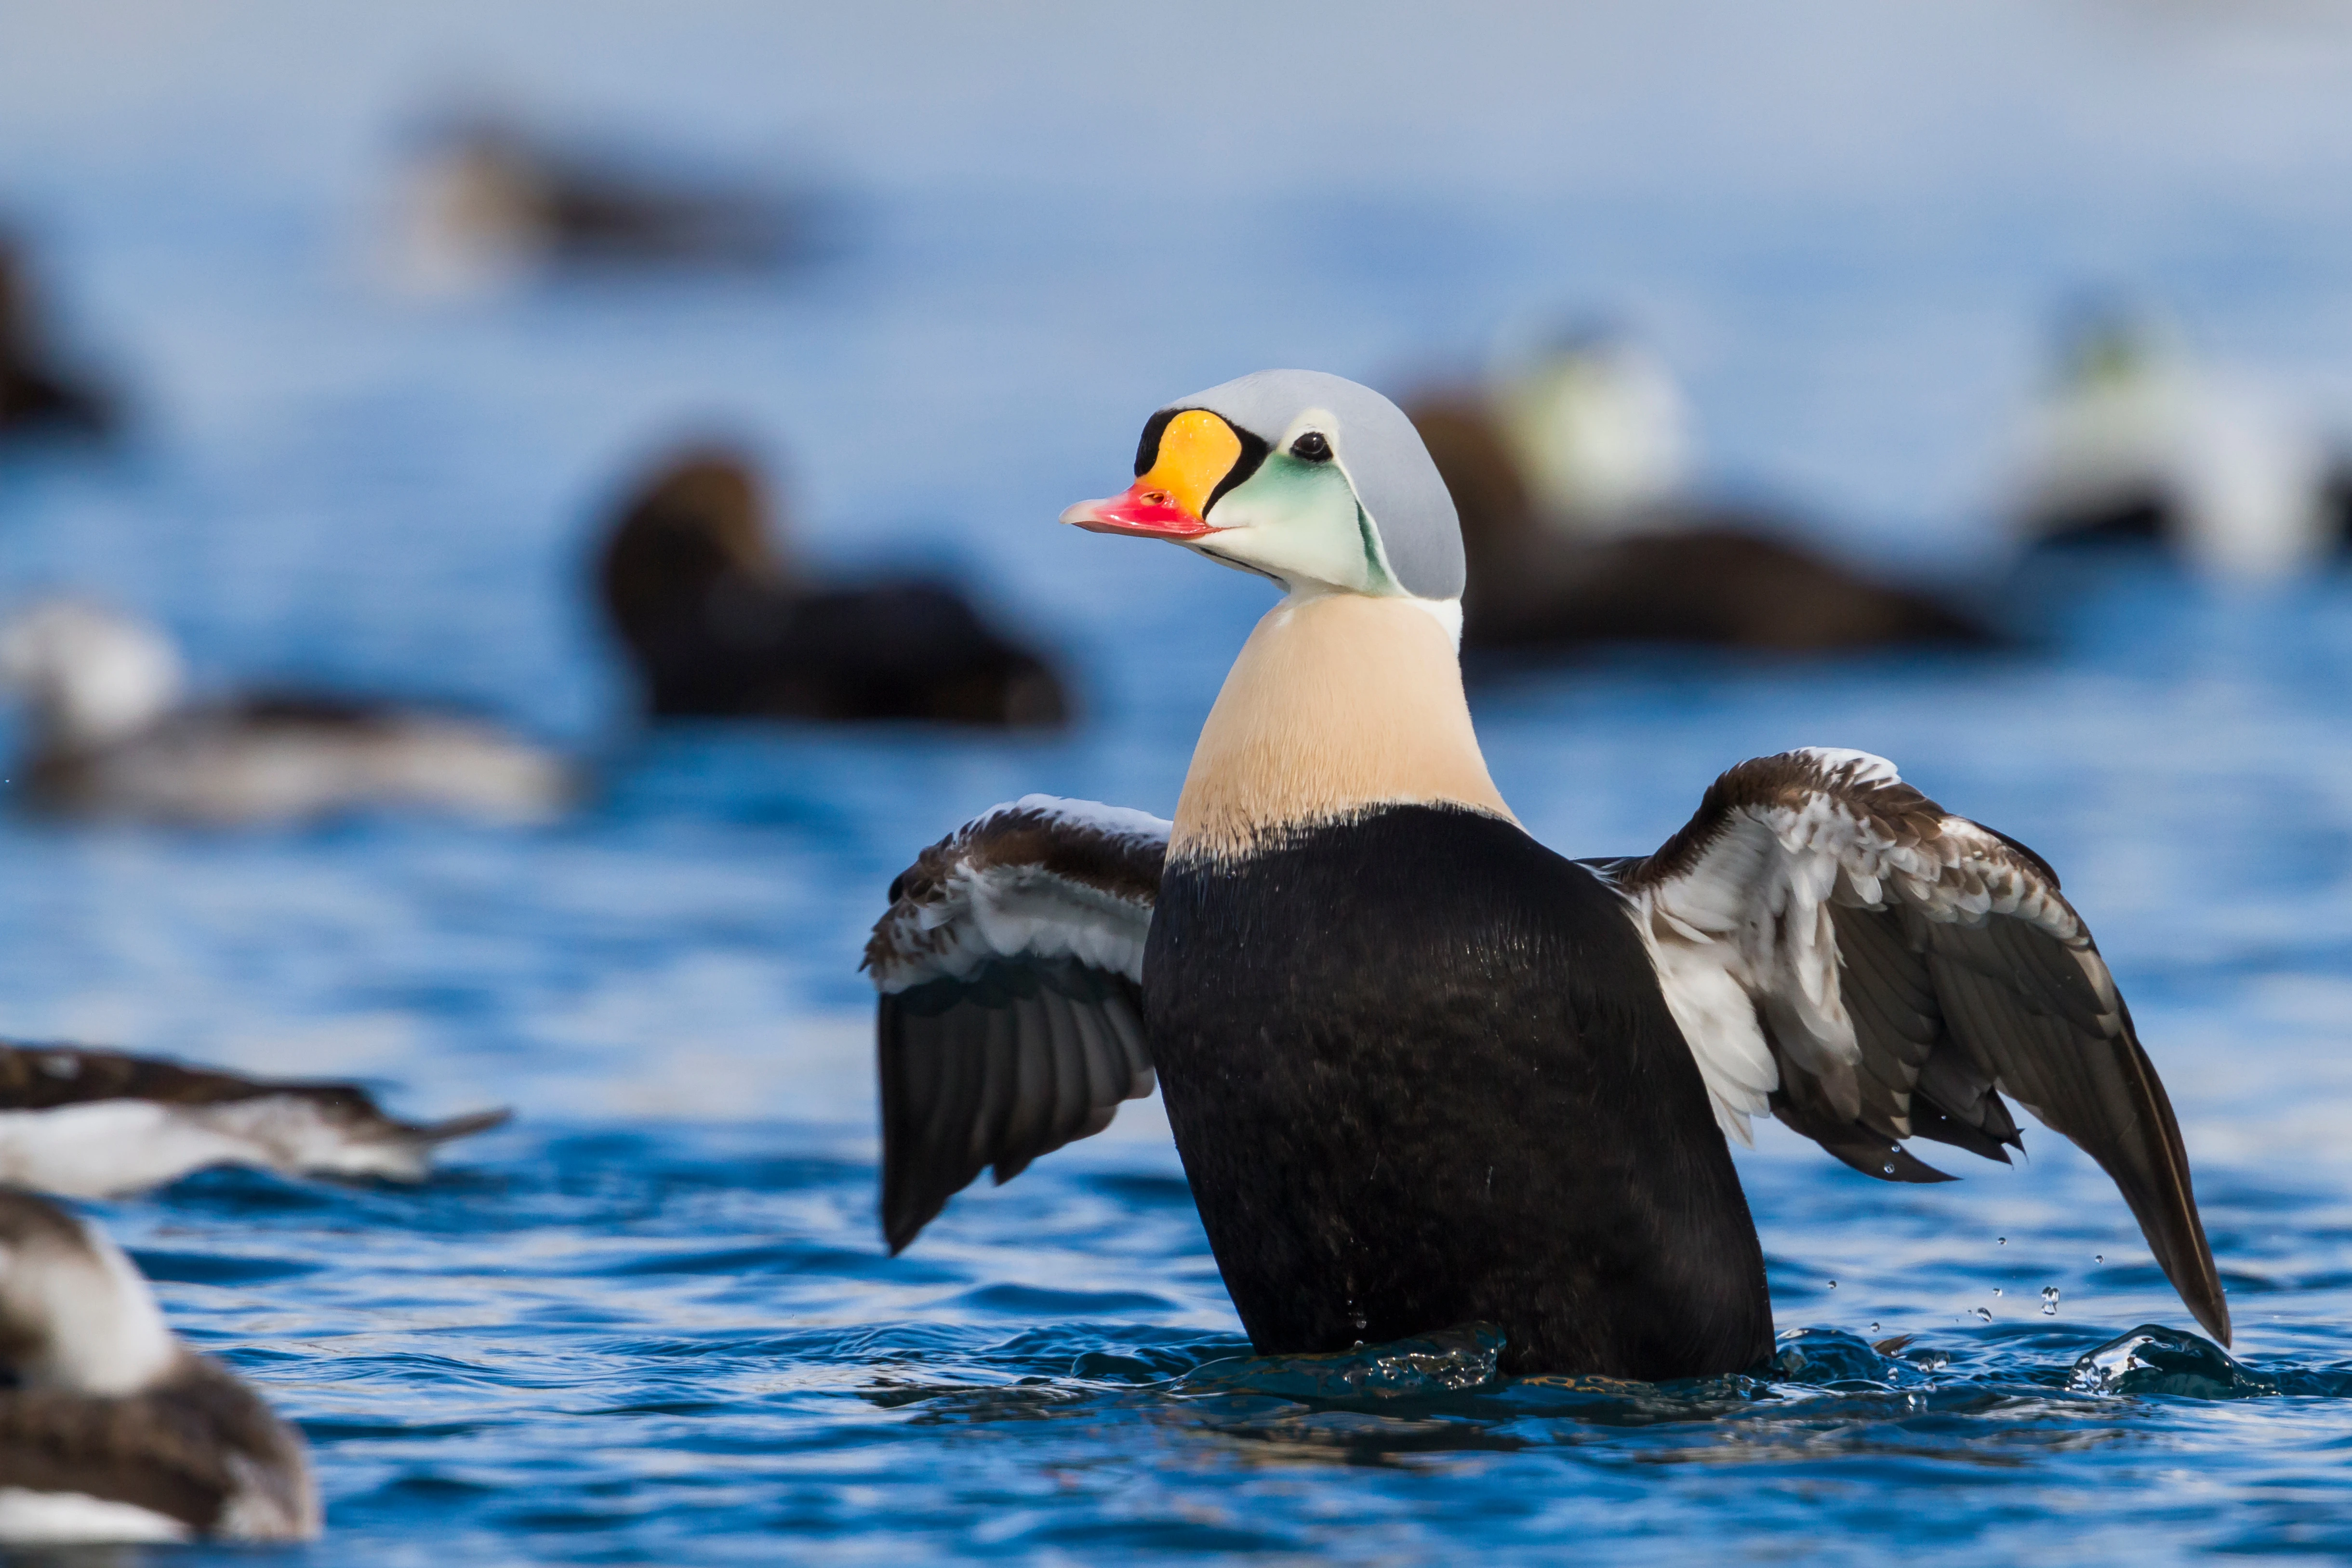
point(653, 1320)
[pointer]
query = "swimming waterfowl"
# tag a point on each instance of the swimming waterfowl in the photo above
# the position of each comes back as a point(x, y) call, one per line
point(112, 738)
point(1420, 1070)
point(1571, 475)
point(2137, 444)
point(110, 1429)
point(84, 1122)
point(720, 626)
point(489, 201)
point(35, 396)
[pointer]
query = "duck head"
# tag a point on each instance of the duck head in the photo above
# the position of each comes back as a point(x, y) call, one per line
point(1599, 428)
point(693, 538)
point(93, 676)
point(1348, 695)
point(73, 1314)
point(1310, 480)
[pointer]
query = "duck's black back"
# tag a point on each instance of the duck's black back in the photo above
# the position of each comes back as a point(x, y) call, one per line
point(1422, 1074)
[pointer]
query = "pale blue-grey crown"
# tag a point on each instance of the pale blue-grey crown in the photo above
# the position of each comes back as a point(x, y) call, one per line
point(1382, 454)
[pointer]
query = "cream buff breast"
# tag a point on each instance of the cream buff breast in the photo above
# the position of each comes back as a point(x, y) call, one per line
point(1348, 697)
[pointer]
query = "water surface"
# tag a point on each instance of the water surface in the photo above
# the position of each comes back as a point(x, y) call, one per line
point(652, 1322)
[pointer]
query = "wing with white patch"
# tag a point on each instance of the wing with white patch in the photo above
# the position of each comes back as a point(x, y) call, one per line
point(1844, 954)
point(1010, 965)
point(88, 1122)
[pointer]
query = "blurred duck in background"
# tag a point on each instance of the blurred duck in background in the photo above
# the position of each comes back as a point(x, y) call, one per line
point(1571, 473)
point(487, 202)
point(37, 397)
point(90, 1123)
point(719, 624)
point(110, 1429)
point(112, 736)
point(2137, 444)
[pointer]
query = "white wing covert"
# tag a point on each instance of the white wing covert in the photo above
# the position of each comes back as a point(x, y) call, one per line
point(1843, 953)
point(1010, 1022)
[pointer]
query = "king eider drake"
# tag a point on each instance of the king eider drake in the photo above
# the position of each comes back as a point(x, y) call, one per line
point(1570, 480)
point(2137, 443)
point(1423, 1071)
point(110, 1429)
point(96, 1123)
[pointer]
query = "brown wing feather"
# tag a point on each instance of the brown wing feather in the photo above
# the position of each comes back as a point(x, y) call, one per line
point(1962, 973)
point(184, 1449)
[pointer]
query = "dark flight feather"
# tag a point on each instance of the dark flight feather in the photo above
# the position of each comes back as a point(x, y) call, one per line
point(1010, 1018)
point(1963, 972)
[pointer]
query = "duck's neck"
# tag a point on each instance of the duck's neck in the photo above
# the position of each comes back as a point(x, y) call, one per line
point(1338, 704)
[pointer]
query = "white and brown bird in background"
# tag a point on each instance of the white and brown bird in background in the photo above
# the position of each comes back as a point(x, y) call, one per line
point(110, 1429)
point(115, 736)
point(85, 1122)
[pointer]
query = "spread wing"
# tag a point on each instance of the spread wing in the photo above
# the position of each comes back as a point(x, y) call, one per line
point(1010, 964)
point(1843, 953)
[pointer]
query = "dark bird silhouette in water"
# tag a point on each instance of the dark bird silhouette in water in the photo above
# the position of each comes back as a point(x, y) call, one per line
point(489, 201)
point(1568, 480)
point(719, 624)
point(37, 397)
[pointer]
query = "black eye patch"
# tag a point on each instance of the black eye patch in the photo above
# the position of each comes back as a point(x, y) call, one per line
point(1147, 451)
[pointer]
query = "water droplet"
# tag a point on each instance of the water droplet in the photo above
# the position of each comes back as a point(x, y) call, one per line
point(2099, 1257)
point(1874, 1328)
point(2000, 1241)
point(1833, 1284)
point(2050, 1300)
point(1981, 1314)
point(1888, 1168)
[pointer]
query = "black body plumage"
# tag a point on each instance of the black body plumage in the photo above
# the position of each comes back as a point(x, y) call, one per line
point(1421, 1073)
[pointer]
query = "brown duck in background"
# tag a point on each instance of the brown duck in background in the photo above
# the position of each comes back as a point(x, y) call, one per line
point(35, 396)
point(719, 624)
point(1623, 556)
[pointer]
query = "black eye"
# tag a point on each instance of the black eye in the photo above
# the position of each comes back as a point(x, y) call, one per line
point(1311, 447)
